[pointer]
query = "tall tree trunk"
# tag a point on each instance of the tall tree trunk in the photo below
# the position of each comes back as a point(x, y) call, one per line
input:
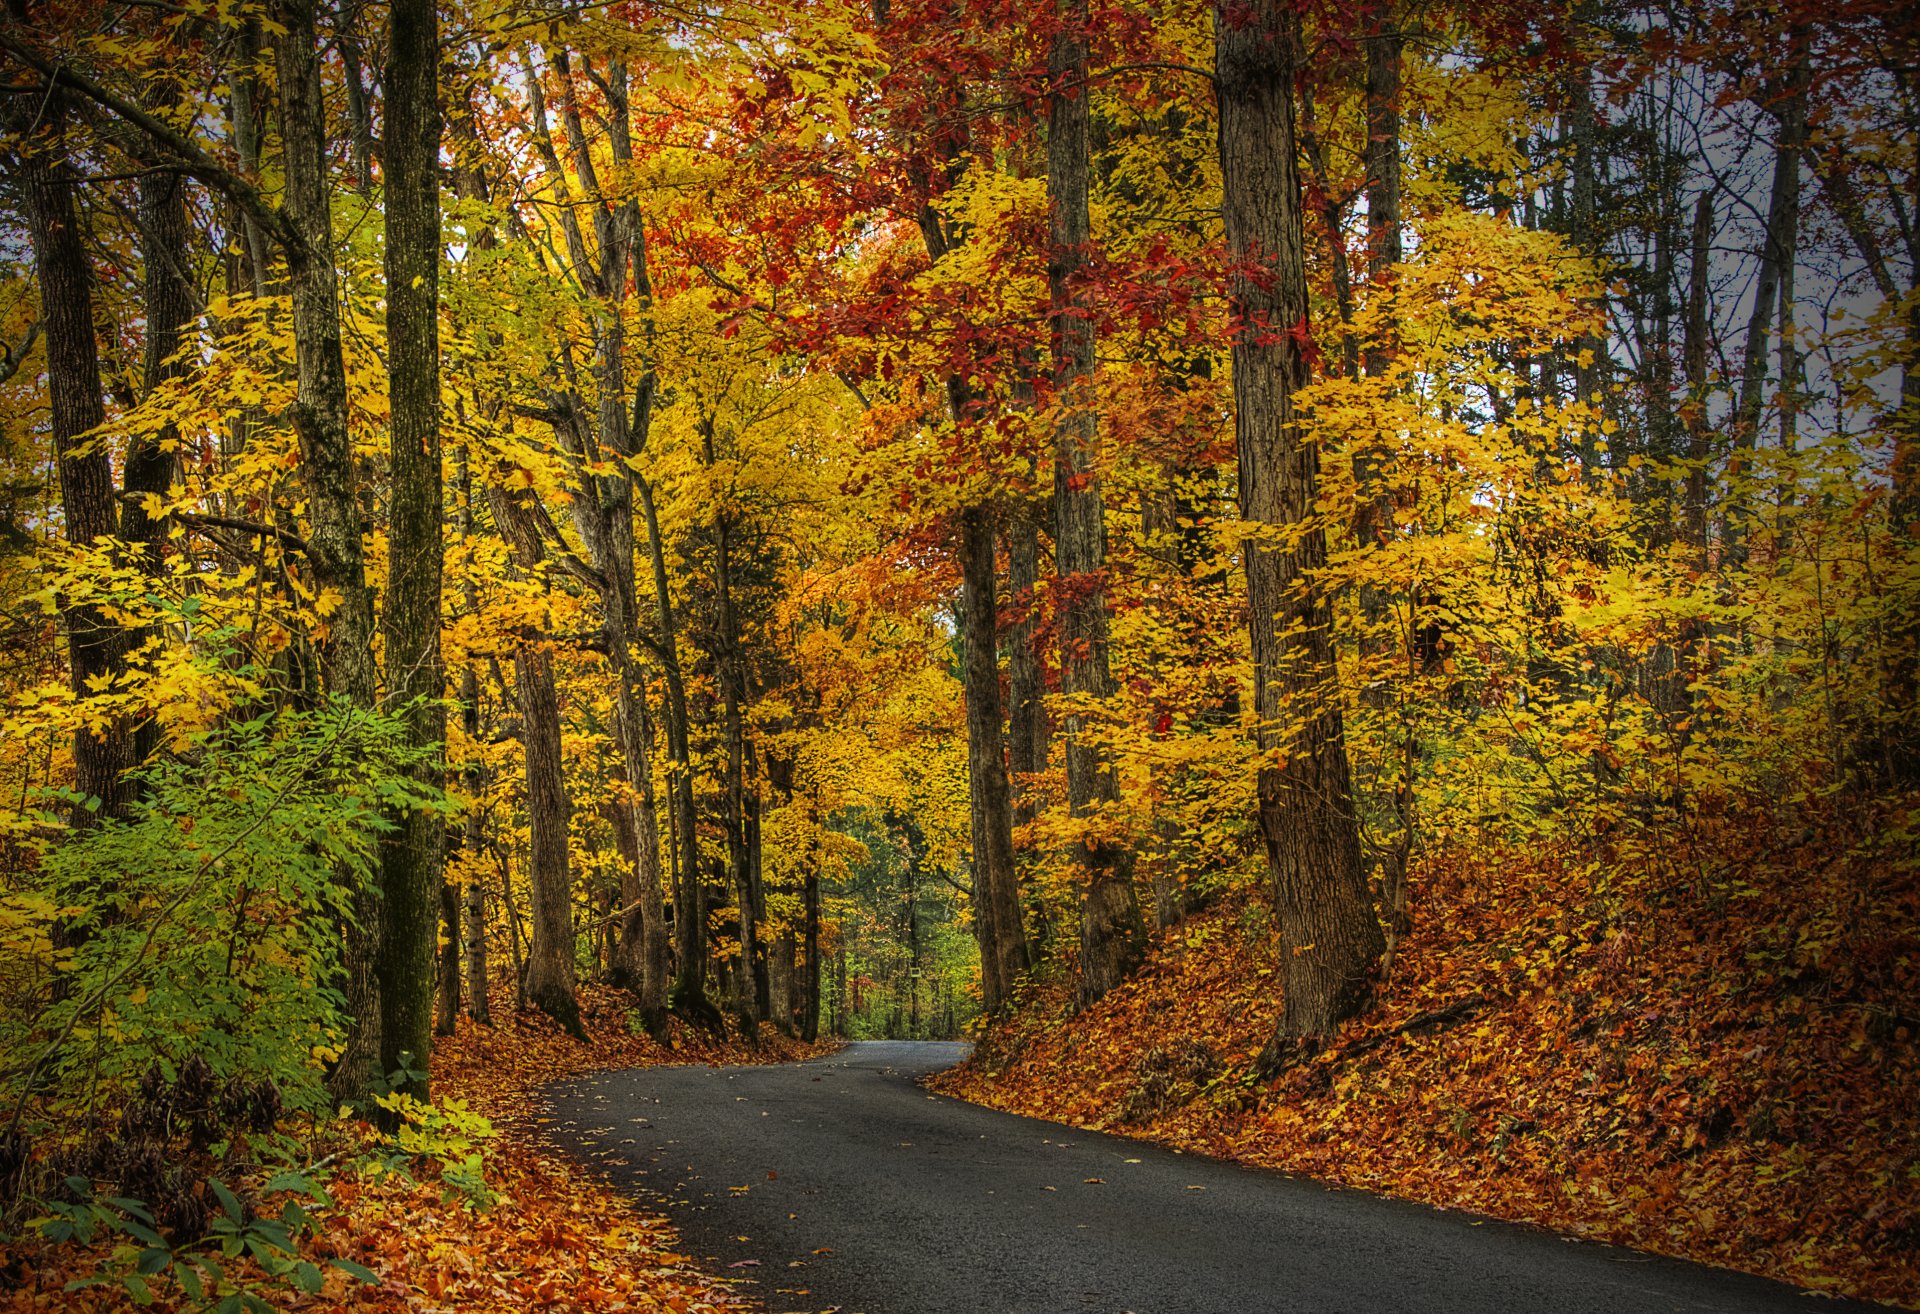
point(1777, 249)
point(731, 662)
point(642, 962)
point(1110, 931)
point(326, 461)
point(1026, 673)
point(810, 997)
point(167, 304)
point(1373, 508)
point(550, 980)
point(1330, 939)
point(996, 895)
point(780, 993)
point(446, 977)
point(474, 922)
point(413, 859)
point(1694, 331)
point(690, 920)
point(96, 644)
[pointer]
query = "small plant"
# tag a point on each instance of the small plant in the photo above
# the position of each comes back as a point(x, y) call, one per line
point(205, 1269)
point(447, 1135)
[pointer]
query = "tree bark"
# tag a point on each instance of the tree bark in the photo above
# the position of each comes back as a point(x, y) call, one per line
point(996, 897)
point(167, 303)
point(1110, 931)
point(446, 995)
point(1026, 673)
point(1373, 510)
point(689, 995)
point(1695, 327)
point(1330, 937)
point(1777, 250)
point(780, 954)
point(413, 859)
point(810, 998)
point(96, 644)
point(326, 461)
point(603, 502)
point(550, 979)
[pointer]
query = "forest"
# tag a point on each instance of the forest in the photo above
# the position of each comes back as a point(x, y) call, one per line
point(1332, 583)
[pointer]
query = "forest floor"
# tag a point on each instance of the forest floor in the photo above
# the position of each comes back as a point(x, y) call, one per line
point(1723, 1070)
point(552, 1240)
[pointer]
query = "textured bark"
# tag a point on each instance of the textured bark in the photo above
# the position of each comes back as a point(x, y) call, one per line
point(550, 980)
point(319, 415)
point(810, 996)
point(1330, 938)
point(1695, 328)
point(1111, 939)
point(413, 858)
point(473, 927)
point(96, 644)
point(167, 304)
point(780, 979)
point(1026, 672)
point(689, 995)
point(1373, 511)
point(446, 982)
point(1777, 251)
point(996, 896)
point(731, 664)
point(1385, 44)
point(603, 503)
point(474, 940)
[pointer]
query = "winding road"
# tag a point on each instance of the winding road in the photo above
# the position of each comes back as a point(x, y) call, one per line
point(840, 1184)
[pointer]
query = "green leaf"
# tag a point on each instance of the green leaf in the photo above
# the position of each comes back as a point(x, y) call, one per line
point(137, 1288)
point(135, 1207)
point(307, 1277)
point(358, 1271)
point(152, 1260)
point(228, 1201)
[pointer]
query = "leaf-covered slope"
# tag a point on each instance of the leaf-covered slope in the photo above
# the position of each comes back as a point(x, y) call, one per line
point(1724, 1071)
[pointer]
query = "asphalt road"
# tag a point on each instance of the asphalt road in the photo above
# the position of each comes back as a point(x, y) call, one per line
point(839, 1184)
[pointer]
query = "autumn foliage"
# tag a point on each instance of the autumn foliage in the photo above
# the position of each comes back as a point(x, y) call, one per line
point(804, 517)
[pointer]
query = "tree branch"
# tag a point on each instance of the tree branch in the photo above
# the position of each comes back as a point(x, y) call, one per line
point(193, 160)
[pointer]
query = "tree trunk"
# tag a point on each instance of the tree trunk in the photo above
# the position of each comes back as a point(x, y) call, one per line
point(1330, 938)
point(810, 998)
point(96, 644)
point(1373, 509)
point(1110, 932)
point(732, 671)
point(550, 981)
point(996, 895)
point(1777, 250)
point(168, 306)
point(446, 1006)
point(689, 996)
point(1695, 328)
point(780, 991)
point(413, 859)
point(1026, 673)
point(326, 462)
point(642, 949)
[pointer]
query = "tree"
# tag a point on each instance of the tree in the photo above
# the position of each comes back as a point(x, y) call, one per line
point(1110, 934)
point(1330, 938)
point(412, 861)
